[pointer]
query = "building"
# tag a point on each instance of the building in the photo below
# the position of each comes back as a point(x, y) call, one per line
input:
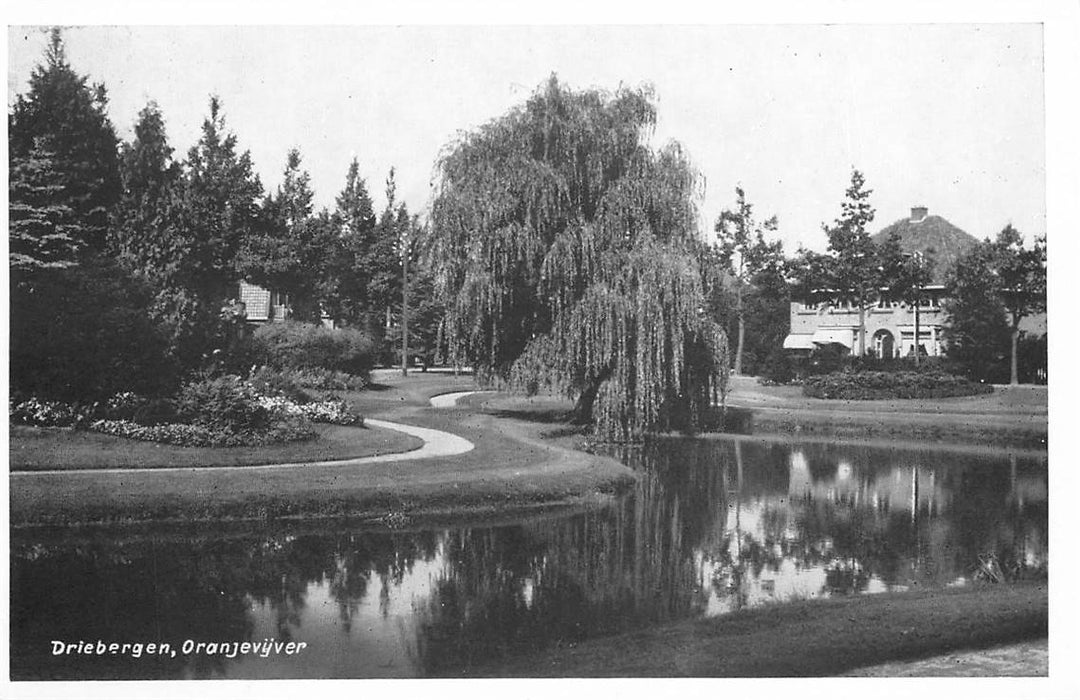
point(829, 320)
point(261, 305)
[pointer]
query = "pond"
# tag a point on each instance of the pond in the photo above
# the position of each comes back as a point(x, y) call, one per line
point(713, 526)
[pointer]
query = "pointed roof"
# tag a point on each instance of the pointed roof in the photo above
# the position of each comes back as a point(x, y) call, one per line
point(921, 232)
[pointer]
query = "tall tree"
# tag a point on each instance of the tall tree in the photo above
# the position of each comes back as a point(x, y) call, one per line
point(145, 234)
point(1021, 277)
point(854, 270)
point(221, 208)
point(905, 276)
point(977, 332)
point(43, 231)
point(566, 250)
point(286, 252)
point(347, 297)
point(70, 115)
point(744, 253)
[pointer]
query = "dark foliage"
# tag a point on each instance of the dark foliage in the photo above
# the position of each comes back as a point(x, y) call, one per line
point(869, 385)
point(82, 334)
point(294, 345)
point(225, 403)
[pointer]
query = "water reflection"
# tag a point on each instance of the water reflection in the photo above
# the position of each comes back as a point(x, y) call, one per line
point(712, 527)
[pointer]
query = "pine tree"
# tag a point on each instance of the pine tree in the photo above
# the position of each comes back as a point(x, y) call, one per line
point(79, 141)
point(220, 209)
point(284, 252)
point(146, 233)
point(43, 230)
point(346, 295)
point(853, 269)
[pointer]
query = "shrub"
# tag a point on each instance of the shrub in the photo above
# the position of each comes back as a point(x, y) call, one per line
point(293, 345)
point(85, 333)
point(777, 369)
point(860, 386)
point(226, 403)
point(268, 381)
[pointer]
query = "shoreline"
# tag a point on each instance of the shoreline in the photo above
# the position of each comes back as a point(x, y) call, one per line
point(511, 470)
point(523, 463)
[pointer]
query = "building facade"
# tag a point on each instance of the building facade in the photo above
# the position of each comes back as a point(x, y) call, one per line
point(830, 320)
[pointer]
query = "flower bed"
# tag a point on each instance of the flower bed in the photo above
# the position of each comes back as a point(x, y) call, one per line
point(188, 435)
point(868, 386)
point(221, 412)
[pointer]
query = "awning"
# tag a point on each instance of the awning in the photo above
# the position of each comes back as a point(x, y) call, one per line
point(799, 341)
point(826, 336)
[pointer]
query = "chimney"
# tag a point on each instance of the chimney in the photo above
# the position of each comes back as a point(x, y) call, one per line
point(918, 214)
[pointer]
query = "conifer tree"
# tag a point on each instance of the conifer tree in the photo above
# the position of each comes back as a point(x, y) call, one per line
point(80, 145)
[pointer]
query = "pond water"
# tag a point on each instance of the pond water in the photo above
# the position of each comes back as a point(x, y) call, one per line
point(713, 526)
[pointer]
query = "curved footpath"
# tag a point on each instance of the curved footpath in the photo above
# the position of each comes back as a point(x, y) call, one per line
point(472, 464)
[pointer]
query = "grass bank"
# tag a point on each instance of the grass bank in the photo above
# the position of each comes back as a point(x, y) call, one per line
point(808, 638)
point(1009, 417)
point(512, 468)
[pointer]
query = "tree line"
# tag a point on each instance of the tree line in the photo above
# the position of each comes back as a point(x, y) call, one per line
point(989, 289)
point(562, 252)
point(125, 258)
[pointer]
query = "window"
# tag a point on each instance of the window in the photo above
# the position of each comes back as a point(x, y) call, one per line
point(810, 306)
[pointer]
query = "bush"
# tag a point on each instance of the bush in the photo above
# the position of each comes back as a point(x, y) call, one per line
point(291, 383)
point(777, 369)
point(293, 345)
point(226, 404)
point(273, 382)
point(868, 385)
point(84, 334)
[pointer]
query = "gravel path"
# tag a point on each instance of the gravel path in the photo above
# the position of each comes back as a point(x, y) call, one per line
point(437, 443)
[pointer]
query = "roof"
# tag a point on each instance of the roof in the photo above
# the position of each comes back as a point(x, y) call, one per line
point(948, 242)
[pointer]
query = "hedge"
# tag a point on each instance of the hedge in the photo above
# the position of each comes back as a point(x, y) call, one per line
point(865, 386)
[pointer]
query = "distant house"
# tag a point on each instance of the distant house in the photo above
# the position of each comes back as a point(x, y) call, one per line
point(827, 319)
point(261, 305)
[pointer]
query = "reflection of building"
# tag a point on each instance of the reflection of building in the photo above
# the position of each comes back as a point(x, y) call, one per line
point(827, 319)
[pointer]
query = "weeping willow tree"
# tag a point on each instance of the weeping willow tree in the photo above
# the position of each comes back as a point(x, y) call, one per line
point(567, 252)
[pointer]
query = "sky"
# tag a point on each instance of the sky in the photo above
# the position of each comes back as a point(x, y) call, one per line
point(948, 116)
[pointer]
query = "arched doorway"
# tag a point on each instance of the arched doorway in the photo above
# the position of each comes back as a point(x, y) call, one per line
point(883, 344)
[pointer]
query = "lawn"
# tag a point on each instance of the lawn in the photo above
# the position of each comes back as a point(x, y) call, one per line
point(807, 638)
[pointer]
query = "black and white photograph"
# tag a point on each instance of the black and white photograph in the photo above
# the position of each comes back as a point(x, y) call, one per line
point(480, 348)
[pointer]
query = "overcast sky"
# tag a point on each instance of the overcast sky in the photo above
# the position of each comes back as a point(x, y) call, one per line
point(949, 116)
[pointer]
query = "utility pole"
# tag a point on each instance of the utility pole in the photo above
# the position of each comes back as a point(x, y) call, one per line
point(405, 306)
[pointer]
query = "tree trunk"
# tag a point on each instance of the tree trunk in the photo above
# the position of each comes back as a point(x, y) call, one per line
point(1014, 374)
point(917, 338)
point(862, 328)
point(583, 408)
point(742, 331)
point(739, 349)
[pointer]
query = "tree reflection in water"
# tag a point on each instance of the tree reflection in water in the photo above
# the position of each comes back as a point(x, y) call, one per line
point(712, 526)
